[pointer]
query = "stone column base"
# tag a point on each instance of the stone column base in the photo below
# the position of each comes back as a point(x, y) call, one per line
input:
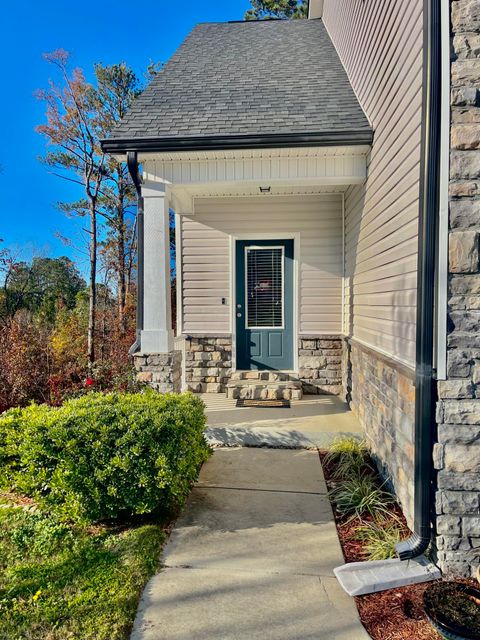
point(161, 371)
point(208, 363)
point(320, 364)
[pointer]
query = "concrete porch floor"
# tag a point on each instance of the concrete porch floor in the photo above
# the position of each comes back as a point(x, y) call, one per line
point(310, 423)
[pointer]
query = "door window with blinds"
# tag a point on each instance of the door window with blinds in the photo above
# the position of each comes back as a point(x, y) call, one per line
point(264, 287)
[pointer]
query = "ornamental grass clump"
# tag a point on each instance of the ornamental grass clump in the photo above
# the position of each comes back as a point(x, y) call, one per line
point(102, 456)
point(348, 456)
point(379, 539)
point(358, 497)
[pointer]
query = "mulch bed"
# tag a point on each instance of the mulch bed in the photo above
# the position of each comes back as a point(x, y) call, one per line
point(396, 614)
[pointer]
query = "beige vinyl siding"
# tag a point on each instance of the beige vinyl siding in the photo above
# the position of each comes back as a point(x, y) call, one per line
point(206, 257)
point(380, 45)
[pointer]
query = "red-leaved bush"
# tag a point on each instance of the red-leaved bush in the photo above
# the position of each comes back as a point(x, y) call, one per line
point(43, 363)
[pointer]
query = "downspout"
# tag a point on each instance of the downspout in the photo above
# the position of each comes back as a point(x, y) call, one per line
point(132, 164)
point(426, 274)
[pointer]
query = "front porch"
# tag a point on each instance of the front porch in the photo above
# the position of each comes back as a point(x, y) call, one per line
point(260, 265)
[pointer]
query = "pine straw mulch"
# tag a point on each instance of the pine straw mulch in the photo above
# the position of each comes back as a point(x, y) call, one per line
point(396, 614)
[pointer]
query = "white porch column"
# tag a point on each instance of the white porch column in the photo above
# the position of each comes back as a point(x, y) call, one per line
point(157, 334)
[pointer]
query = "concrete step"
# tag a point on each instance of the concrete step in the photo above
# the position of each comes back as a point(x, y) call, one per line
point(270, 376)
point(264, 390)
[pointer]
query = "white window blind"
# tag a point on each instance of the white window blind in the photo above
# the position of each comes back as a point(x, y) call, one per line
point(264, 287)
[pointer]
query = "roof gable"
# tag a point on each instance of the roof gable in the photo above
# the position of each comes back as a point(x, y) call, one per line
point(265, 78)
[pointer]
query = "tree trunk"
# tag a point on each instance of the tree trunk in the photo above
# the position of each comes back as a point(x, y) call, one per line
point(122, 288)
point(92, 286)
point(103, 343)
point(121, 276)
point(130, 258)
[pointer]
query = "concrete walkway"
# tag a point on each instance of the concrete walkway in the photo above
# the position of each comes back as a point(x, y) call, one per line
point(252, 557)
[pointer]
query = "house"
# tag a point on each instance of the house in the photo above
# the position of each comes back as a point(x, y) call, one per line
point(324, 175)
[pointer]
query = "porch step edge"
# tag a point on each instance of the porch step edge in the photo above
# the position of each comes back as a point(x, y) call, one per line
point(264, 376)
point(265, 384)
point(264, 390)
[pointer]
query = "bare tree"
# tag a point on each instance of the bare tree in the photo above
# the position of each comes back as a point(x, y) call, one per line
point(72, 130)
point(117, 87)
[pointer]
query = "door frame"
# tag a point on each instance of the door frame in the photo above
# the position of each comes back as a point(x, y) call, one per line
point(295, 236)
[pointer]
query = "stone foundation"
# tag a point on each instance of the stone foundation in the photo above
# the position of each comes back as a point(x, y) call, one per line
point(161, 371)
point(381, 393)
point(457, 450)
point(208, 363)
point(320, 364)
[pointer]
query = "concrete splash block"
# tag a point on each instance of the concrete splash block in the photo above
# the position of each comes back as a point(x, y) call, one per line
point(361, 578)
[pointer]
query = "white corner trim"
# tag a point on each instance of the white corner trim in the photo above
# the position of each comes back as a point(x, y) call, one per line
point(442, 261)
point(315, 9)
point(179, 270)
point(182, 202)
point(343, 266)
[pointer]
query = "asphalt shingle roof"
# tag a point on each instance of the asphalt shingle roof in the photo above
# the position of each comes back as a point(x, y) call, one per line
point(248, 78)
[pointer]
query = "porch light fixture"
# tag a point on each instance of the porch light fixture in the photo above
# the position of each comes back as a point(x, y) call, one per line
point(265, 189)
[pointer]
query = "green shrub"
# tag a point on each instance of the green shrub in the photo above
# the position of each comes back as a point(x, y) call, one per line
point(349, 456)
point(360, 496)
point(379, 539)
point(104, 456)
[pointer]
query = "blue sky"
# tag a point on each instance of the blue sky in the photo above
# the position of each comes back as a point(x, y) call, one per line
point(105, 31)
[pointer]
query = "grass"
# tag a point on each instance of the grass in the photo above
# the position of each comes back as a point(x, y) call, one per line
point(348, 456)
point(59, 582)
point(360, 496)
point(379, 539)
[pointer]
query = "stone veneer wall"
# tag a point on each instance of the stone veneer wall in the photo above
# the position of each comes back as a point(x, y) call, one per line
point(208, 363)
point(320, 364)
point(162, 371)
point(381, 393)
point(457, 452)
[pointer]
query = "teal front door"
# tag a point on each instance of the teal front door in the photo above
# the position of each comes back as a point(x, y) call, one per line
point(264, 304)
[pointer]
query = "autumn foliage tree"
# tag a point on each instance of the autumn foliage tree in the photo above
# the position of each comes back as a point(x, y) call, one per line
point(79, 115)
point(34, 296)
point(58, 333)
point(72, 131)
point(116, 88)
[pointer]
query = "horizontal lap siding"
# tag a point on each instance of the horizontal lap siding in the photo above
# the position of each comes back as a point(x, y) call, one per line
point(380, 45)
point(205, 278)
point(206, 257)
